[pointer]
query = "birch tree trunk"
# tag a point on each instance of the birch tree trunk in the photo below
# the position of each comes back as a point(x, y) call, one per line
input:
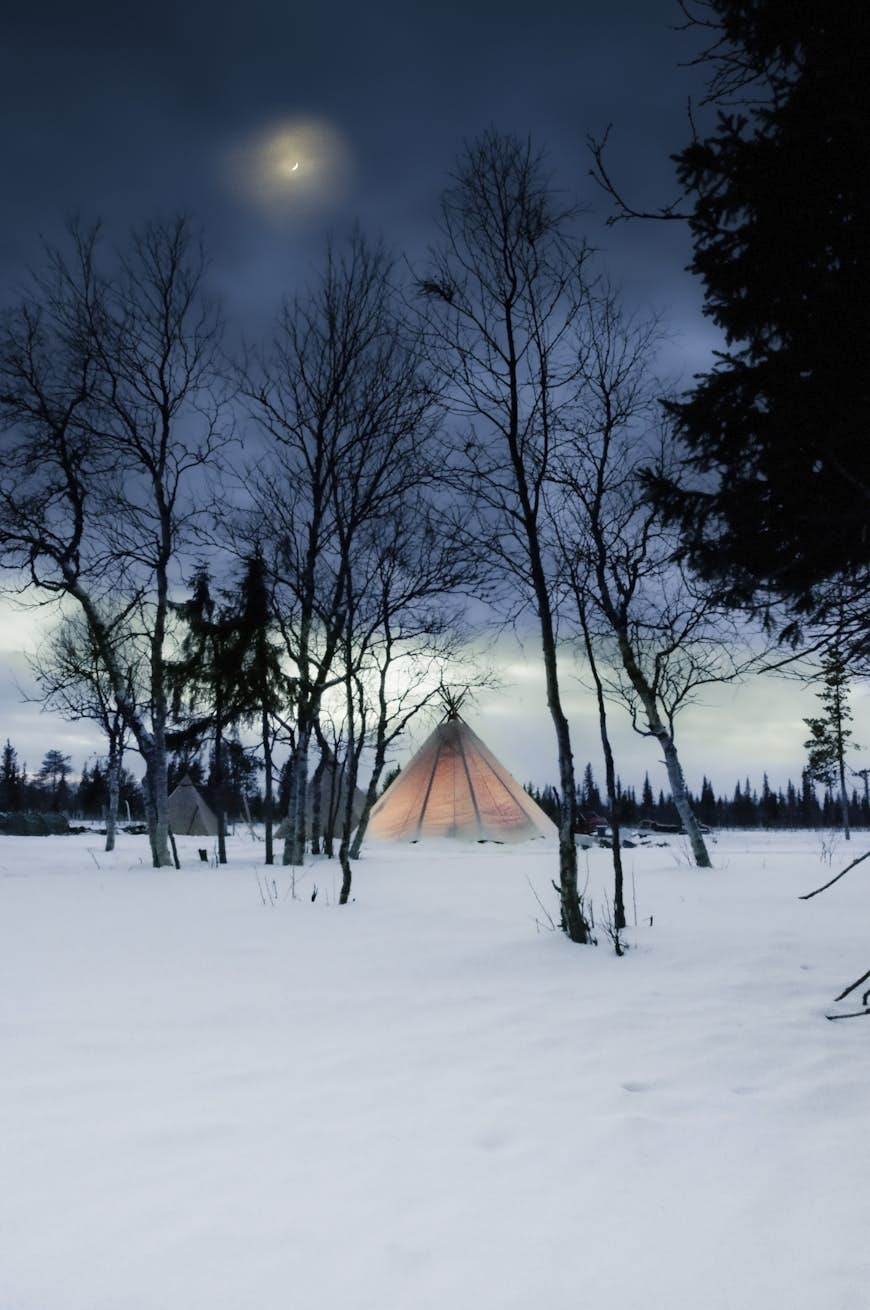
point(609, 770)
point(844, 799)
point(219, 779)
point(317, 798)
point(160, 780)
point(114, 782)
point(294, 842)
point(679, 790)
point(371, 795)
point(268, 789)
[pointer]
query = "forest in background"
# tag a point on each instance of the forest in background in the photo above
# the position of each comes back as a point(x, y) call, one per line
point(53, 788)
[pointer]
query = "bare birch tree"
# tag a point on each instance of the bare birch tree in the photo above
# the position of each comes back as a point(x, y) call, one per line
point(346, 406)
point(659, 638)
point(111, 406)
point(502, 297)
point(401, 629)
point(73, 681)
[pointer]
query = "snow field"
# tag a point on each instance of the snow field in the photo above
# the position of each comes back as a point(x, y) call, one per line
point(421, 1100)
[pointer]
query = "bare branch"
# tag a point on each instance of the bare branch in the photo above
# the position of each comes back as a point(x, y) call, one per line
point(809, 895)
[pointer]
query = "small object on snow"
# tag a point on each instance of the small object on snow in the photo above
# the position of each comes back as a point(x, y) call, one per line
point(314, 893)
point(203, 855)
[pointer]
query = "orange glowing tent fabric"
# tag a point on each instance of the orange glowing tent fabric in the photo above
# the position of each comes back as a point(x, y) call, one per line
point(455, 787)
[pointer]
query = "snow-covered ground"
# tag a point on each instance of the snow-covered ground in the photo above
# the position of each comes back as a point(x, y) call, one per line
point(217, 1096)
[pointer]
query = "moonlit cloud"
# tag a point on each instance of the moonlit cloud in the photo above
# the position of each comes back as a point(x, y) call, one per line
point(292, 169)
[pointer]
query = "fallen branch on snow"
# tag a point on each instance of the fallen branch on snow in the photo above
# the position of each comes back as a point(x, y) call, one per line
point(825, 887)
point(852, 986)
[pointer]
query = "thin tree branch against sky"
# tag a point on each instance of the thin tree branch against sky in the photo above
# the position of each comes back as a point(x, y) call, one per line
point(275, 124)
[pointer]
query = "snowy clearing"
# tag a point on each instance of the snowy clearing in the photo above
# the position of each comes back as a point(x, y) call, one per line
point(209, 1102)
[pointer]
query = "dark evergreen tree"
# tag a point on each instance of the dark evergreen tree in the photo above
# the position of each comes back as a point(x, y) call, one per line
point(781, 194)
point(205, 684)
point(264, 688)
point(811, 811)
point(184, 764)
point(11, 778)
point(53, 773)
point(743, 809)
point(707, 803)
point(235, 780)
point(90, 792)
point(627, 802)
point(864, 775)
point(94, 793)
point(588, 795)
point(768, 806)
point(392, 774)
point(830, 732)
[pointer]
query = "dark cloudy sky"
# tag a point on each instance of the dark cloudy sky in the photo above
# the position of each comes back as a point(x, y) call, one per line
point(125, 112)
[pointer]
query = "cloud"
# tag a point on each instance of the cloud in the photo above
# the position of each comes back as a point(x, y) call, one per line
point(292, 170)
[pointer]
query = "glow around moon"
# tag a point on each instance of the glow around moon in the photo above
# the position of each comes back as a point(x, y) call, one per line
point(292, 168)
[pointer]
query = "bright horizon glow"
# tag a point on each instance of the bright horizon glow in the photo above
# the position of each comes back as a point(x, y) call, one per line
point(735, 732)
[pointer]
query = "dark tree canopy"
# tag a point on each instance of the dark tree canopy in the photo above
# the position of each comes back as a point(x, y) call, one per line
point(776, 501)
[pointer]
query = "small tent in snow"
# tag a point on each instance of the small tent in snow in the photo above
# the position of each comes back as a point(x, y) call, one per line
point(455, 787)
point(189, 816)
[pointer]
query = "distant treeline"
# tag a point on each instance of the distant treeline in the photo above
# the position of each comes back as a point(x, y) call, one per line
point(52, 788)
point(747, 806)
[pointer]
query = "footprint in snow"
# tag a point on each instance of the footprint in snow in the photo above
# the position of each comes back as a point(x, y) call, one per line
point(492, 1141)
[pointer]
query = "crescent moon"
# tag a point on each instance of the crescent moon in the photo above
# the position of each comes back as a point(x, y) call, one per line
point(295, 166)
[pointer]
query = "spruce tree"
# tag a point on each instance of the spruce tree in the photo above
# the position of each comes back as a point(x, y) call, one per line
point(205, 683)
point(768, 808)
point(264, 689)
point(780, 194)
point(53, 773)
point(830, 733)
point(707, 805)
point(11, 779)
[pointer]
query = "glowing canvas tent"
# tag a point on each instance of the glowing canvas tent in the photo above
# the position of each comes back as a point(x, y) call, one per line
point(455, 787)
point(189, 816)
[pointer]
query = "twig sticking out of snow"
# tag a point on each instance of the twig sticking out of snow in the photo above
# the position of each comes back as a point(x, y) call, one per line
point(550, 922)
point(826, 885)
point(852, 986)
point(268, 889)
